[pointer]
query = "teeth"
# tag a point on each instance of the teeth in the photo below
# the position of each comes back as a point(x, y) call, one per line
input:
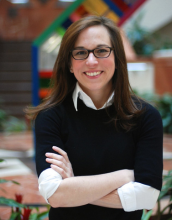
point(93, 73)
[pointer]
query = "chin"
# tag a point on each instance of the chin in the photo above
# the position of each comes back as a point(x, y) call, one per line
point(94, 88)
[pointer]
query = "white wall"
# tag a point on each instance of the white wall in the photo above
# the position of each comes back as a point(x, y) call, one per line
point(141, 77)
point(157, 13)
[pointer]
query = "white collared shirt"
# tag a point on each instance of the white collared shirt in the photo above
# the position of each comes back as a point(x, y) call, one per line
point(78, 92)
point(133, 195)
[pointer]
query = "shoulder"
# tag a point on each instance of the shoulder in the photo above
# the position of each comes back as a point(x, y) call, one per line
point(50, 113)
point(147, 109)
point(55, 113)
point(150, 112)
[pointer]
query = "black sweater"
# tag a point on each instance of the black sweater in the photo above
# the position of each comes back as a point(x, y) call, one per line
point(94, 147)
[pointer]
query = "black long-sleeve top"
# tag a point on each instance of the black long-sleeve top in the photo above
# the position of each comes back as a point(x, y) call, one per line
point(95, 147)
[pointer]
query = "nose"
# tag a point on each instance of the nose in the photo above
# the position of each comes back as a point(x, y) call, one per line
point(91, 60)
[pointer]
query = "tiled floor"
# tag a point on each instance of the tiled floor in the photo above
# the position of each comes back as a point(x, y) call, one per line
point(22, 145)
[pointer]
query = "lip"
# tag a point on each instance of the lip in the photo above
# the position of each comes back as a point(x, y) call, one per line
point(92, 71)
point(93, 77)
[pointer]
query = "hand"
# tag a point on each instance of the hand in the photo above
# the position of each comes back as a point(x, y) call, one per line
point(60, 163)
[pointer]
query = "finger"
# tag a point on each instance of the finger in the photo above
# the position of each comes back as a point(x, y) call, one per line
point(69, 172)
point(56, 157)
point(57, 163)
point(62, 152)
point(59, 170)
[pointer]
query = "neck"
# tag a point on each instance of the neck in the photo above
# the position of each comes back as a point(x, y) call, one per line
point(99, 97)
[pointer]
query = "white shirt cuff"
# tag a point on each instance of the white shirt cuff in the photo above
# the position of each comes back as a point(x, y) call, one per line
point(127, 196)
point(137, 196)
point(49, 180)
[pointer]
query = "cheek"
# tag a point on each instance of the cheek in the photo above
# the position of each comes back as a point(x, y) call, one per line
point(76, 66)
point(76, 69)
point(110, 64)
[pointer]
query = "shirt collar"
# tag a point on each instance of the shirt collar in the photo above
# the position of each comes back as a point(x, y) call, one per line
point(79, 93)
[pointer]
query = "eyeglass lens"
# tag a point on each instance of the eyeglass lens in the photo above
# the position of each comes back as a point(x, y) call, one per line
point(98, 52)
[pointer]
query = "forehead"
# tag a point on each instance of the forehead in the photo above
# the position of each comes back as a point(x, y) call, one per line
point(93, 36)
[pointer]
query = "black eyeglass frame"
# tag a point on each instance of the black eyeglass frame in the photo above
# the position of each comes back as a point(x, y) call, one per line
point(92, 51)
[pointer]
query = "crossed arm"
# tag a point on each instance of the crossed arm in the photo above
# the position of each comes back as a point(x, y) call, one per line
point(98, 190)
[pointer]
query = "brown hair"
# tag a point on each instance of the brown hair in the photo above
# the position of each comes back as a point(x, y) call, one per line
point(63, 82)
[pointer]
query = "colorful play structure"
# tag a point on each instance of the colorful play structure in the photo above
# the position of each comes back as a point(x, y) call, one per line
point(45, 47)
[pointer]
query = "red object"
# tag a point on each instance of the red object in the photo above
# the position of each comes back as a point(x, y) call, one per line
point(130, 11)
point(19, 198)
point(121, 5)
point(44, 92)
point(74, 17)
point(26, 214)
point(81, 11)
point(45, 74)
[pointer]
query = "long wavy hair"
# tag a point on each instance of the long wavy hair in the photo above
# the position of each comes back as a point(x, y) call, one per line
point(63, 82)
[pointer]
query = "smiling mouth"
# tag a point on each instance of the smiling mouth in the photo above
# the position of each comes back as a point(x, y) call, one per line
point(93, 73)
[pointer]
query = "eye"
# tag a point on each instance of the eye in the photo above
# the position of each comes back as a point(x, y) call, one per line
point(102, 50)
point(79, 52)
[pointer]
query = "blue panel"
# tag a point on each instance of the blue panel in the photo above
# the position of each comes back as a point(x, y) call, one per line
point(67, 23)
point(113, 7)
point(35, 76)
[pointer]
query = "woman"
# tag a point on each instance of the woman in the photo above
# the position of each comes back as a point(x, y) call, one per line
point(98, 147)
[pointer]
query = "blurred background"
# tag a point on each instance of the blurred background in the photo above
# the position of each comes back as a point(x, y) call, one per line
point(30, 36)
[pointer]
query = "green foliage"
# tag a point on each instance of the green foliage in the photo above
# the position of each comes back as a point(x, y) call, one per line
point(39, 216)
point(3, 117)
point(146, 215)
point(164, 106)
point(140, 38)
point(13, 124)
point(10, 123)
point(14, 216)
point(167, 187)
point(10, 202)
point(165, 191)
point(144, 42)
point(20, 211)
point(5, 181)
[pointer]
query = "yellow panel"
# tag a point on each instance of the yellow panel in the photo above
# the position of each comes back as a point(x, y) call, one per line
point(95, 6)
point(113, 16)
point(88, 8)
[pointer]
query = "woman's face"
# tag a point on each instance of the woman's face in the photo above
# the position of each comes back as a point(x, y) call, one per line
point(104, 68)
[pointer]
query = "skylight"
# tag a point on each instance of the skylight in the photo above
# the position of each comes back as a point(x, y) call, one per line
point(19, 1)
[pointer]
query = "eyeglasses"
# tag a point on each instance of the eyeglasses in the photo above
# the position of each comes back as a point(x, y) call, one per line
point(82, 54)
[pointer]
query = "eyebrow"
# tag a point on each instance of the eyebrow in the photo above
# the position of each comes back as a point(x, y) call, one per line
point(99, 45)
